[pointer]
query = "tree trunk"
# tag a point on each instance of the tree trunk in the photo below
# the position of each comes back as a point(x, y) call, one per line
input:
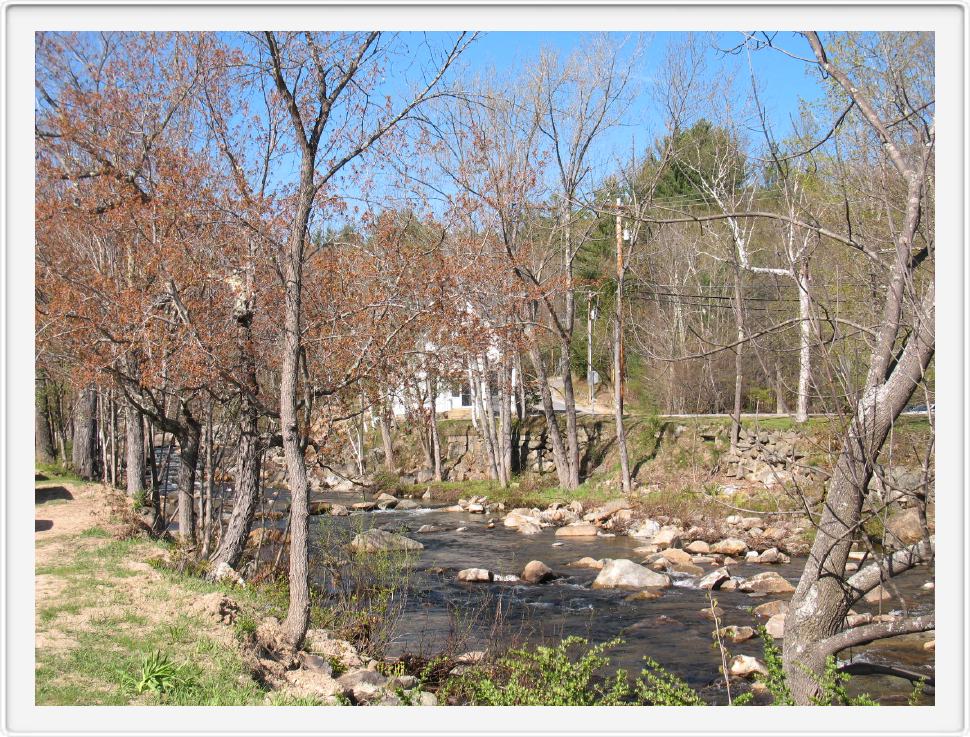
point(572, 433)
point(739, 321)
point(208, 489)
point(618, 360)
point(384, 420)
point(433, 420)
point(43, 439)
point(188, 460)
point(555, 436)
point(84, 449)
point(248, 459)
point(781, 406)
point(249, 453)
point(822, 599)
point(134, 453)
point(298, 613)
point(486, 427)
point(505, 418)
point(804, 343)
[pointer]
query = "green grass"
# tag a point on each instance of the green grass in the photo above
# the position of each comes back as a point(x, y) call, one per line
point(105, 661)
point(55, 473)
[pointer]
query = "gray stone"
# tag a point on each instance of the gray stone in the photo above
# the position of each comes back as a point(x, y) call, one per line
point(714, 579)
point(475, 575)
point(376, 541)
point(363, 685)
point(768, 582)
point(624, 573)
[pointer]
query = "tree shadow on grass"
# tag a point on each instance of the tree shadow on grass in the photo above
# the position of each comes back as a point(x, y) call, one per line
point(50, 493)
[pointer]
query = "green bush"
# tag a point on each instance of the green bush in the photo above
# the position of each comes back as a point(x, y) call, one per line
point(550, 676)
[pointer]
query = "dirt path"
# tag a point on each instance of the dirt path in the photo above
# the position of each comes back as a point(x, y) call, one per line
point(102, 607)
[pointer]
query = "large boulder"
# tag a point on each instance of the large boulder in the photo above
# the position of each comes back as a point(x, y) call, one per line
point(768, 582)
point(404, 504)
point(676, 555)
point(536, 571)
point(878, 595)
point(646, 530)
point(905, 528)
point(363, 685)
point(714, 579)
point(775, 626)
point(743, 666)
point(587, 562)
point(771, 608)
point(625, 574)
point(698, 547)
point(318, 506)
point(319, 642)
point(581, 529)
point(603, 513)
point(475, 575)
point(668, 537)
point(528, 528)
point(521, 516)
point(730, 546)
point(379, 541)
point(735, 634)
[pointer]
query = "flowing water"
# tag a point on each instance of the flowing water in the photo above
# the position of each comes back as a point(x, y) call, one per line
point(672, 629)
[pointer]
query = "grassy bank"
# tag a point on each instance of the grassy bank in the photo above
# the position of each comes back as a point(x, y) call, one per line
point(106, 606)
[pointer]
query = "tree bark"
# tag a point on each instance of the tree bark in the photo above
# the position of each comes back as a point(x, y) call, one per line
point(188, 460)
point(822, 599)
point(84, 449)
point(232, 543)
point(134, 452)
point(804, 342)
point(435, 439)
point(619, 368)
point(569, 400)
point(552, 425)
point(387, 439)
point(298, 613)
point(485, 419)
point(43, 438)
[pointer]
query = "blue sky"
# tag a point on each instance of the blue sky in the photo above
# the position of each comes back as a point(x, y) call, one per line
point(783, 81)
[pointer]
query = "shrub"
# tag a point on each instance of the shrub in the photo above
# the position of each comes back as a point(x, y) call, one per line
point(550, 676)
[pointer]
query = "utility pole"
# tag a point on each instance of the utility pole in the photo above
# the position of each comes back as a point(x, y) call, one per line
point(589, 347)
point(619, 359)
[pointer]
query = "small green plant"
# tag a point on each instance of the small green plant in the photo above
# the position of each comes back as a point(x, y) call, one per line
point(916, 697)
point(775, 680)
point(158, 674)
point(659, 687)
point(550, 676)
point(245, 625)
point(833, 684)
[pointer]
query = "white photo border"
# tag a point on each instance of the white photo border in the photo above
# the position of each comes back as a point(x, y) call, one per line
point(19, 715)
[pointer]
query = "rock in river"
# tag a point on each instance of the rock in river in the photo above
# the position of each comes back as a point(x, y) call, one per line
point(735, 634)
point(730, 546)
point(771, 608)
point(776, 626)
point(475, 575)
point(625, 574)
point(587, 562)
point(376, 541)
point(743, 666)
point(768, 582)
point(579, 530)
point(536, 571)
point(714, 579)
